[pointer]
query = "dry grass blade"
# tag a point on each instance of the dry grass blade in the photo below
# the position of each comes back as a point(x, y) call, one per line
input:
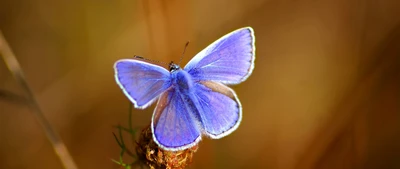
point(57, 143)
point(9, 96)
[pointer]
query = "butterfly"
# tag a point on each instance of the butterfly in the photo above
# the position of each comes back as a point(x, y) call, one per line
point(195, 100)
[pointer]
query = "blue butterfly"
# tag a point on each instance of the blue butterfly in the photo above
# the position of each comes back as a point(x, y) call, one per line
point(194, 100)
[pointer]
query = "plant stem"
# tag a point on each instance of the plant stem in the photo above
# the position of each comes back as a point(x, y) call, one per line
point(56, 141)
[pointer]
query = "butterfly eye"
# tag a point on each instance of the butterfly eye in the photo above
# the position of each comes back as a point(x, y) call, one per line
point(173, 67)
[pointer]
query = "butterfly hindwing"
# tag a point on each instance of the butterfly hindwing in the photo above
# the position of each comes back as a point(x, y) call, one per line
point(229, 60)
point(219, 109)
point(173, 125)
point(141, 82)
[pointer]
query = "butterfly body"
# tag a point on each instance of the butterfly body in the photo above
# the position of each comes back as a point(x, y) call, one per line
point(182, 81)
point(192, 101)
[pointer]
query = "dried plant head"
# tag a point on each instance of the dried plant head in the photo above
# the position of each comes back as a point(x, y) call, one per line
point(156, 157)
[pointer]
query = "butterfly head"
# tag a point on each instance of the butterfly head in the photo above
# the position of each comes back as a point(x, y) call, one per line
point(173, 67)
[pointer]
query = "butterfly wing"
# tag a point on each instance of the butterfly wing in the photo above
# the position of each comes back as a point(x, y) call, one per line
point(141, 82)
point(173, 125)
point(219, 109)
point(229, 60)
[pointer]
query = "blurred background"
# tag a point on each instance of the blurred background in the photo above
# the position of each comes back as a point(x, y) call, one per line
point(324, 93)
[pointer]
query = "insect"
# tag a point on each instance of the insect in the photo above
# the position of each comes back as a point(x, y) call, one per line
point(195, 100)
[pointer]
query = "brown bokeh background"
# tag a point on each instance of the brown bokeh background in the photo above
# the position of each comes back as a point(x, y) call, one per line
point(324, 93)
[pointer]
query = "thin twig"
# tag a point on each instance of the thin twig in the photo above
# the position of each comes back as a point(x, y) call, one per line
point(12, 97)
point(56, 141)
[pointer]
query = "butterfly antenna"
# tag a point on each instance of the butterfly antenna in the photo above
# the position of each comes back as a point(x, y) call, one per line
point(184, 50)
point(154, 61)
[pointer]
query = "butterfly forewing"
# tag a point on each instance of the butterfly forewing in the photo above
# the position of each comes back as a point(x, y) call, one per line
point(229, 60)
point(141, 82)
